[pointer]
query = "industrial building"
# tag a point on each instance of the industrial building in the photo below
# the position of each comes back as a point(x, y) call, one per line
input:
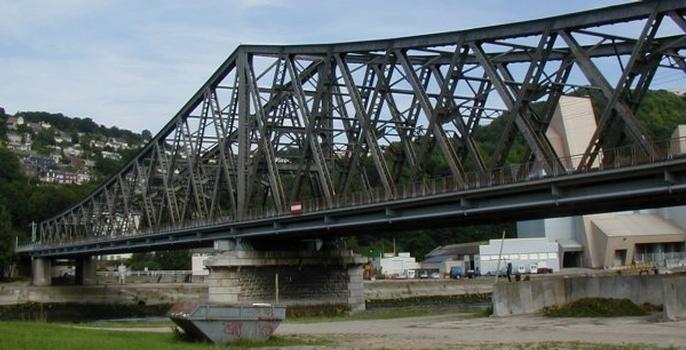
point(402, 265)
point(443, 258)
point(525, 254)
point(599, 240)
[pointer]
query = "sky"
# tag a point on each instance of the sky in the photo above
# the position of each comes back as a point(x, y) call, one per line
point(133, 64)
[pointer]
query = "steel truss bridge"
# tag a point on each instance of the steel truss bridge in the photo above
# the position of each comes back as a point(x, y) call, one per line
point(356, 129)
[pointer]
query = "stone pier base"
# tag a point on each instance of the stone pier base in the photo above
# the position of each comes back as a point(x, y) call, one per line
point(304, 278)
point(40, 271)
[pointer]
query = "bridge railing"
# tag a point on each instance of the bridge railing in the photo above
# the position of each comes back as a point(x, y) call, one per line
point(620, 157)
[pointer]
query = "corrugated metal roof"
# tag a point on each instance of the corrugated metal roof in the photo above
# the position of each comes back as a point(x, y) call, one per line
point(636, 225)
point(471, 248)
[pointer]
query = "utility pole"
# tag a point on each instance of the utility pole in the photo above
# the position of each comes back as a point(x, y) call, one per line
point(497, 269)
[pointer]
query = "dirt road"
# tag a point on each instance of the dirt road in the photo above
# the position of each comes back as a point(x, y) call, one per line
point(456, 331)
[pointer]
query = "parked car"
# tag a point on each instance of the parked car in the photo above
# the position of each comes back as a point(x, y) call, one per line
point(456, 272)
point(424, 274)
point(545, 270)
point(435, 275)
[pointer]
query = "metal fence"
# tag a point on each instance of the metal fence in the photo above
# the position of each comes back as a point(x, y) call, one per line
point(667, 260)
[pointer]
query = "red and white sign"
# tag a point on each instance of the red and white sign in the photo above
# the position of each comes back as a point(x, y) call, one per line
point(296, 207)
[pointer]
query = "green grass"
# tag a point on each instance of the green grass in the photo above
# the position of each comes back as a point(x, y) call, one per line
point(132, 324)
point(596, 307)
point(47, 336)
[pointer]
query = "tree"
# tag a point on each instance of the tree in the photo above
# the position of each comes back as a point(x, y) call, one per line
point(47, 201)
point(174, 259)
point(3, 128)
point(147, 135)
point(106, 167)
point(6, 240)
point(10, 169)
point(45, 137)
point(74, 136)
point(139, 261)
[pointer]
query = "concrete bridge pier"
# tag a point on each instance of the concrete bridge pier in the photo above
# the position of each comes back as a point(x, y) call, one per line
point(40, 271)
point(305, 278)
point(85, 271)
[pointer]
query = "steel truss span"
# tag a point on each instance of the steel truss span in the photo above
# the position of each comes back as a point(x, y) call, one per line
point(279, 123)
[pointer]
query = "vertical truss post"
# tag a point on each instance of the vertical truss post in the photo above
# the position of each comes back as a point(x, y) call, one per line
point(243, 131)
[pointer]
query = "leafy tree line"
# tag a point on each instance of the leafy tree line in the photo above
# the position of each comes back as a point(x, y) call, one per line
point(162, 260)
point(84, 125)
point(23, 200)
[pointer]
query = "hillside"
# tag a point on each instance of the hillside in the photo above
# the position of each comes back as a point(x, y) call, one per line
point(53, 148)
point(50, 161)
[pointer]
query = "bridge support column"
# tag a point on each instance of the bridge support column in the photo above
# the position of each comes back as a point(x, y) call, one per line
point(40, 271)
point(305, 278)
point(85, 271)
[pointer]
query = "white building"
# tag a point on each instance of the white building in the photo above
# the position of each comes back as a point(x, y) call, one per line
point(14, 122)
point(399, 265)
point(523, 253)
point(115, 257)
point(82, 177)
point(198, 267)
point(59, 177)
point(73, 151)
point(17, 142)
point(110, 155)
point(116, 144)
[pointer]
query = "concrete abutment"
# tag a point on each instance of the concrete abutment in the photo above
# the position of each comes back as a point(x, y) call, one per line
point(85, 271)
point(527, 297)
point(305, 278)
point(41, 271)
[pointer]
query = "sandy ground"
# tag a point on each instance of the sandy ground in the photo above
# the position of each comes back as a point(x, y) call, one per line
point(454, 331)
point(458, 332)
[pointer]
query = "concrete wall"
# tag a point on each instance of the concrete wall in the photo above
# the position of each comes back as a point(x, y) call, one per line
point(676, 214)
point(402, 289)
point(531, 228)
point(149, 294)
point(531, 296)
point(155, 294)
point(674, 290)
